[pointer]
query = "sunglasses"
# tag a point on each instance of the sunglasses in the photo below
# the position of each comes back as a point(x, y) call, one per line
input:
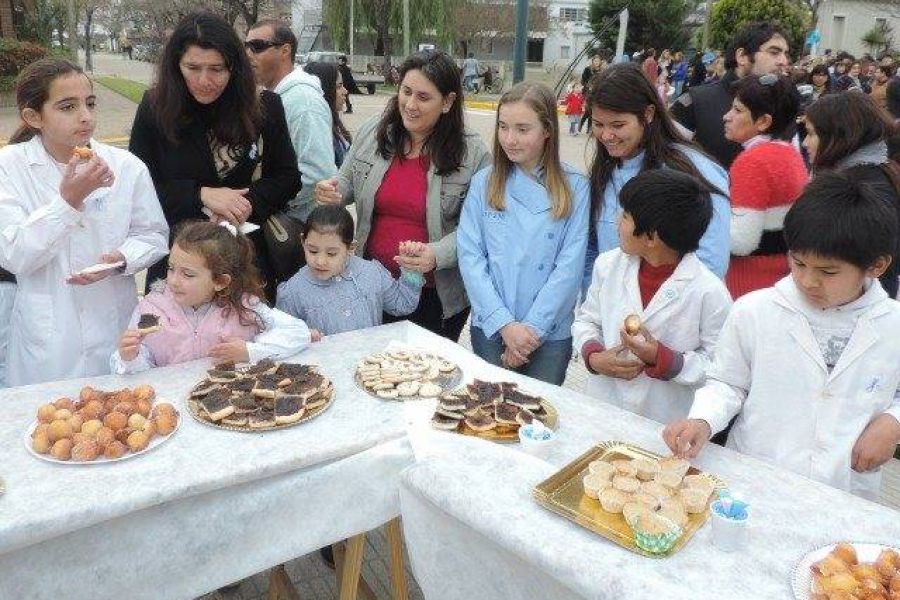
point(257, 46)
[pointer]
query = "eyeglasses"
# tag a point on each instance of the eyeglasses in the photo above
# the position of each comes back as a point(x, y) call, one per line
point(257, 46)
point(768, 79)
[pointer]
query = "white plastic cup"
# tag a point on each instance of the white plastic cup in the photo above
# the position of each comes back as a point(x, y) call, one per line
point(535, 447)
point(729, 535)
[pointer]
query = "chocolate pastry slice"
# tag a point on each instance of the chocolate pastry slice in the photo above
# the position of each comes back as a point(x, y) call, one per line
point(473, 405)
point(235, 420)
point(481, 421)
point(265, 366)
point(508, 386)
point(244, 384)
point(244, 403)
point(203, 388)
point(439, 421)
point(262, 419)
point(540, 412)
point(219, 376)
point(292, 371)
point(485, 392)
point(217, 404)
point(505, 413)
point(267, 385)
point(288, 409)
point(450, 414)
point(148, 324)
point(319, 399)
point(523, 400)
point(452, 402)
point(524, 417)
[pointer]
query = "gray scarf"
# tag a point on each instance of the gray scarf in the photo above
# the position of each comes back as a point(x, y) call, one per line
point(875, 153)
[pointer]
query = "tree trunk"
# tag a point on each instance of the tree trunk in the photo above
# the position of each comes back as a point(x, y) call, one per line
point(7, 26)
point(88, 50)
point(385, 37)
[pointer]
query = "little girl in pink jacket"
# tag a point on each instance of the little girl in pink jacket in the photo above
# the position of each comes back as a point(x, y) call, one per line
point(208, 306)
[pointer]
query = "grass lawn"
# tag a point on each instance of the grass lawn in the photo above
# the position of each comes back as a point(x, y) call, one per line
point(133, 90)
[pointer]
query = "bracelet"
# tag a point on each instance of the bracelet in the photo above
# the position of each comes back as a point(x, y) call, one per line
point(412, 277)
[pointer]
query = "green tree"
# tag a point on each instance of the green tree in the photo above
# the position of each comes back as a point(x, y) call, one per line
point(651, 23)
point(729, 16)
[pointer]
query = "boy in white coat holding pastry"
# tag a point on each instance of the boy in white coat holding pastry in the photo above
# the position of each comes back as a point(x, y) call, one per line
point(673, 304)
point(810, 366)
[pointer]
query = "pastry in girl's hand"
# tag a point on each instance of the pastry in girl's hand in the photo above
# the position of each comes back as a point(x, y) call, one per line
point(82, 153)
point(148, 324)
point(632, 324)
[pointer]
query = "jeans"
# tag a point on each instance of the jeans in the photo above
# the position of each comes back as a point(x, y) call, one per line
point(7, 298)
point(548, 363)
point(679, 87)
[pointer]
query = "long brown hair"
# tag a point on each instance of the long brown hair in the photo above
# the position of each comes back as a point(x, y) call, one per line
point(538, 98)
point(33, 90)
point(236, 115)
point(226, 254)
point(624, 88)
point(327, 74)
point(446, 146)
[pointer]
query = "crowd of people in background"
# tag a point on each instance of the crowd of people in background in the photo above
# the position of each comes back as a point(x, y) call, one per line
point(745, 207)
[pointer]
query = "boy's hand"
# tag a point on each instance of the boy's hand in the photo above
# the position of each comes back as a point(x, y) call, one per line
point(643, 345)
point(233, 349)
point(129, 344)
point(609, 363)
point(510, 360)
point(687, 437)
point(875, 445)
point(315, 335)
point(520, 341)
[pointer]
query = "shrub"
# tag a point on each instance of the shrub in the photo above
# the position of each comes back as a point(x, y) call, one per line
point(16, 55)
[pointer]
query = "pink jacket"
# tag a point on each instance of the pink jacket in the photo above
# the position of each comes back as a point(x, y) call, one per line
point(178, 341)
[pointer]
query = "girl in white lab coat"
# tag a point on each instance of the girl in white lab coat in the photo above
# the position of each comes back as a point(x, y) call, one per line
point(656, 276)
point(61, 213)
point(809, 367)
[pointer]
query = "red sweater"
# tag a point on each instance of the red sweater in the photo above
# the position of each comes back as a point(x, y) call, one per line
point(399, 213)
point(574, 102)
point(766, 179)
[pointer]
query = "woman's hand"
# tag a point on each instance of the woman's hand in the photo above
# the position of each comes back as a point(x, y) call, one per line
point(129, 344)
point(89, 278)
point(327, 192)
point(520, 341)
point(228, 203)
point(416, 256)
point(75, 187)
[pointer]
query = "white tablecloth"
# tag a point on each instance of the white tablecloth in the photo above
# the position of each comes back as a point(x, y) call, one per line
point(209, 506)
point(473, 528)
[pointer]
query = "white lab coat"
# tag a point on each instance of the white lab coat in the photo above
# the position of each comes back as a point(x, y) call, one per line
point(769, 371)
point(58, 330)
point(686, 315)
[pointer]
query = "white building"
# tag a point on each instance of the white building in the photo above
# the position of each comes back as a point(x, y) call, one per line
point(568, 32)
point(843, 23)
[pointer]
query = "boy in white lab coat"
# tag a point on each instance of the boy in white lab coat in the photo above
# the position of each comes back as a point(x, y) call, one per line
point(656, 276)
point(809, 366)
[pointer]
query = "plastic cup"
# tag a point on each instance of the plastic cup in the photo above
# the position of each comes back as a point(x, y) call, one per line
point(539, 448)
point(729, 534)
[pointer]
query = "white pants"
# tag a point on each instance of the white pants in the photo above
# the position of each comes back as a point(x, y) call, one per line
point(7, 297)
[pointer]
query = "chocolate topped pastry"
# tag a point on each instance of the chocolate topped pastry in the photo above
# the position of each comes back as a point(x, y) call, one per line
point(288, 410)
point(521, 399)
point(507, 386)
point(524, 417)
point(245, 402)
point(148, 324)
point(219, 376)
point(261, 419)
point(452, 402)
point(439, 421)
point(235, 420)
point(244, 384)
point(450, 414)
point(292, 371)
point(266, 365)
point(485, 391)
point(203, 388)
point(217, 404)
point(266, 385)
point(505, 413)
point(481, 421)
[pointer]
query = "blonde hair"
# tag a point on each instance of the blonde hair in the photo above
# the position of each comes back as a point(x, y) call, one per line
point(540, 99)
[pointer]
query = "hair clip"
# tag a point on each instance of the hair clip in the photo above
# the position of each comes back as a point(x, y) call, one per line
point(229, 227)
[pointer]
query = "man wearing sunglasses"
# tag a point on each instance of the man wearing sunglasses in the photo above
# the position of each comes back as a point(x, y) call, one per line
point(271, 47)
point(758, 49)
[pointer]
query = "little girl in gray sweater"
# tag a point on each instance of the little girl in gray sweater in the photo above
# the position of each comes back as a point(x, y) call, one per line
point(337, 291)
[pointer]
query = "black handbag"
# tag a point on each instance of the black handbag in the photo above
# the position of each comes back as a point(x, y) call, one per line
point(283, 234)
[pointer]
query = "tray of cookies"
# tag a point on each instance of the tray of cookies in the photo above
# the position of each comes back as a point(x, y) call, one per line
point(406, 374)
point(848, 570)
point(649, 504)
point(491, 410)
point(263, 396)
point(101, 427)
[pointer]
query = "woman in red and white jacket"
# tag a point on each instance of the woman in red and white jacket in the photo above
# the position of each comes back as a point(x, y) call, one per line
point(765, 178)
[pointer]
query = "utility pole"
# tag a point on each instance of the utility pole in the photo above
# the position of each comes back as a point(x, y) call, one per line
point(406, 49)
point(521, 40)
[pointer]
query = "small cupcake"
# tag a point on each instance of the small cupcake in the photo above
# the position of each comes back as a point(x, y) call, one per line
point(593, 485)
point(670, 479)
point(677, 465)
point(633, 510)
point(656, 489)
point(673, 509)
point(648, 500)
point(613, 500)
point(602, 469)
point(625, 466)
point(695, 501)
point(626, 484)
point(699, 482)
point(655, 533)
point(646, 469)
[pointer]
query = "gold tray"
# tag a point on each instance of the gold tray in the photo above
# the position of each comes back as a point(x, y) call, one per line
point(508, 433)
point(194, 408)
point(563, 493)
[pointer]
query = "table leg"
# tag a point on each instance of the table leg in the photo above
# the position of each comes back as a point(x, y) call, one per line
point(398, 571)
point(352, 567)
point(280, 586)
